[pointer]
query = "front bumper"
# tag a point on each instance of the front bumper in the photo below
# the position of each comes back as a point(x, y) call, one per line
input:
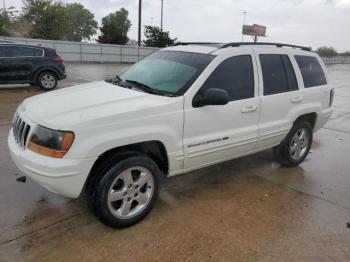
point(62, 176)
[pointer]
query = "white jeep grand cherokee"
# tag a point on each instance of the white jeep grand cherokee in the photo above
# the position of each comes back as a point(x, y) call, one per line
point(179, 109)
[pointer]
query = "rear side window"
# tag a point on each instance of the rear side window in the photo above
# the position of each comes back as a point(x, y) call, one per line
point(51, 53)
point(235, 75)
point(278, 74)
point(311, 71)
point(26, 51)
point(5, 51)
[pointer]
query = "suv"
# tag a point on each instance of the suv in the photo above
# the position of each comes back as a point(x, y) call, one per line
point(34, 65)
point(179, 109)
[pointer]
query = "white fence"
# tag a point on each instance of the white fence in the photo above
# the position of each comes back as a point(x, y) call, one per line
point(336, 60)
point(90, 53)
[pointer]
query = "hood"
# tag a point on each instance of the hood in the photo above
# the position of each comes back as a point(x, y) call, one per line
point(80, 104)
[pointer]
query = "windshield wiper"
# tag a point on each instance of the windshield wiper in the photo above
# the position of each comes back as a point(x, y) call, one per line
point(147, 89)
point(115, 81)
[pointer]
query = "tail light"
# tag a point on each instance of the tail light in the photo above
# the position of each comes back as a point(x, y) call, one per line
point(331, 97)
point(57, 60)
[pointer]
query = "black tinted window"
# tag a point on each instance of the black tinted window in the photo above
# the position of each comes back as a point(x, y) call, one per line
point(21, 51)
point(291, 78)
point(278, 74)
point(235, 75)
point(311, 71)
point(5, 51)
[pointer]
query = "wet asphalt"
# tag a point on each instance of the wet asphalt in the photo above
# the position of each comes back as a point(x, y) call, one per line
point(248, 209)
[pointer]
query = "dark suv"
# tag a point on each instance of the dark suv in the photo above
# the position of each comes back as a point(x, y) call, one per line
point(34, 65)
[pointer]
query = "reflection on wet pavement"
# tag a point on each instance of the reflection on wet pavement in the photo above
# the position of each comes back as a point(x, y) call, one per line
point(247, 209)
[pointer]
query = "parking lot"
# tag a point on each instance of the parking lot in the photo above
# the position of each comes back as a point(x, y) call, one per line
point(246, 209)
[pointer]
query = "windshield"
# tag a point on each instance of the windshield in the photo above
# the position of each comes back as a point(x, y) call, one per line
point(171, 72)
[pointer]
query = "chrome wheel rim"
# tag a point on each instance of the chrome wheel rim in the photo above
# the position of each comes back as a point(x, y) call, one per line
point(48, 81)
point(299, 144)
point(131, 192)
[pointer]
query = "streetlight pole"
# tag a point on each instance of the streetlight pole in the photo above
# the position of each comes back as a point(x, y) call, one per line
point(161, 16)
point(108, 23)
point(4, 6)
point(139, 33)
point(244, 13)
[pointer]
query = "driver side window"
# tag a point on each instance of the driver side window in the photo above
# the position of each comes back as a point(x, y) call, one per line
point(235, 75)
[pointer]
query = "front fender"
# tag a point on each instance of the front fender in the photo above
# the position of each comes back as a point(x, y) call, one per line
point(97, 144)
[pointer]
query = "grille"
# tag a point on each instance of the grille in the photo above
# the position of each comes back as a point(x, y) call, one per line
point(20, 131)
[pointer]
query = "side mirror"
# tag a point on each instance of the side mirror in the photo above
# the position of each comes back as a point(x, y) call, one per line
point(212, 97)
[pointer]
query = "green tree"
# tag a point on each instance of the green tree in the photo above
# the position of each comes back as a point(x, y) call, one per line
point(4, 23)
point(7, 18)
point(155, 37)
point(325, 51)
point(49, 19)
point(115, 28)
point(346, 53)
point(20, 27)
point(81, 22)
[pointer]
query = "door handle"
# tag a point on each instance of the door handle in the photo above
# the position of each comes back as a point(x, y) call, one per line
point(249, 109)
point(296, 99)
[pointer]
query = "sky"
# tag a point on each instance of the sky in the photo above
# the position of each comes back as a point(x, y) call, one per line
point(312, 23)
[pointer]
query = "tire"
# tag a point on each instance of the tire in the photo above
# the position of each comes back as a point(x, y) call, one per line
point(295, 147)
point(47, 81)
point(119, 197)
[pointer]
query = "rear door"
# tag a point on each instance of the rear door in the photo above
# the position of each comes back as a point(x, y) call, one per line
point(279, 95)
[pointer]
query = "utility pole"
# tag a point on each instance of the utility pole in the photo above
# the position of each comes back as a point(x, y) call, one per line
point(139, 33)
point(4, 7)
point(244, 13)
point(161, 16)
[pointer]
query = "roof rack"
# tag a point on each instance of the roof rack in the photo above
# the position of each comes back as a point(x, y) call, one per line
point(198, 43)
point(236, 44)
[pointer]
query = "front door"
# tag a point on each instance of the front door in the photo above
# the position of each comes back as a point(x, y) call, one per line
point(216, 133)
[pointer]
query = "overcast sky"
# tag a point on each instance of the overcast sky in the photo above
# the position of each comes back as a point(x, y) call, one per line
point(304, 22)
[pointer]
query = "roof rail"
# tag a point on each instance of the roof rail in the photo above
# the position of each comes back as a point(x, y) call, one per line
point(198, 43)
point(235, 44)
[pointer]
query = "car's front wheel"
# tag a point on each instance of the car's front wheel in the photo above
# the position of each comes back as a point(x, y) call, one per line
point(126, 192)
point(47, 81)
point(296, 146)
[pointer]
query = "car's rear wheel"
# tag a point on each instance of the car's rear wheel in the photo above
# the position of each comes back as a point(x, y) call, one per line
point(47, 81)
point(126, 192)
point(296, 146)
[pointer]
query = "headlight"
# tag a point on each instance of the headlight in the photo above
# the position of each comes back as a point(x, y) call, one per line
point(50, 142)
